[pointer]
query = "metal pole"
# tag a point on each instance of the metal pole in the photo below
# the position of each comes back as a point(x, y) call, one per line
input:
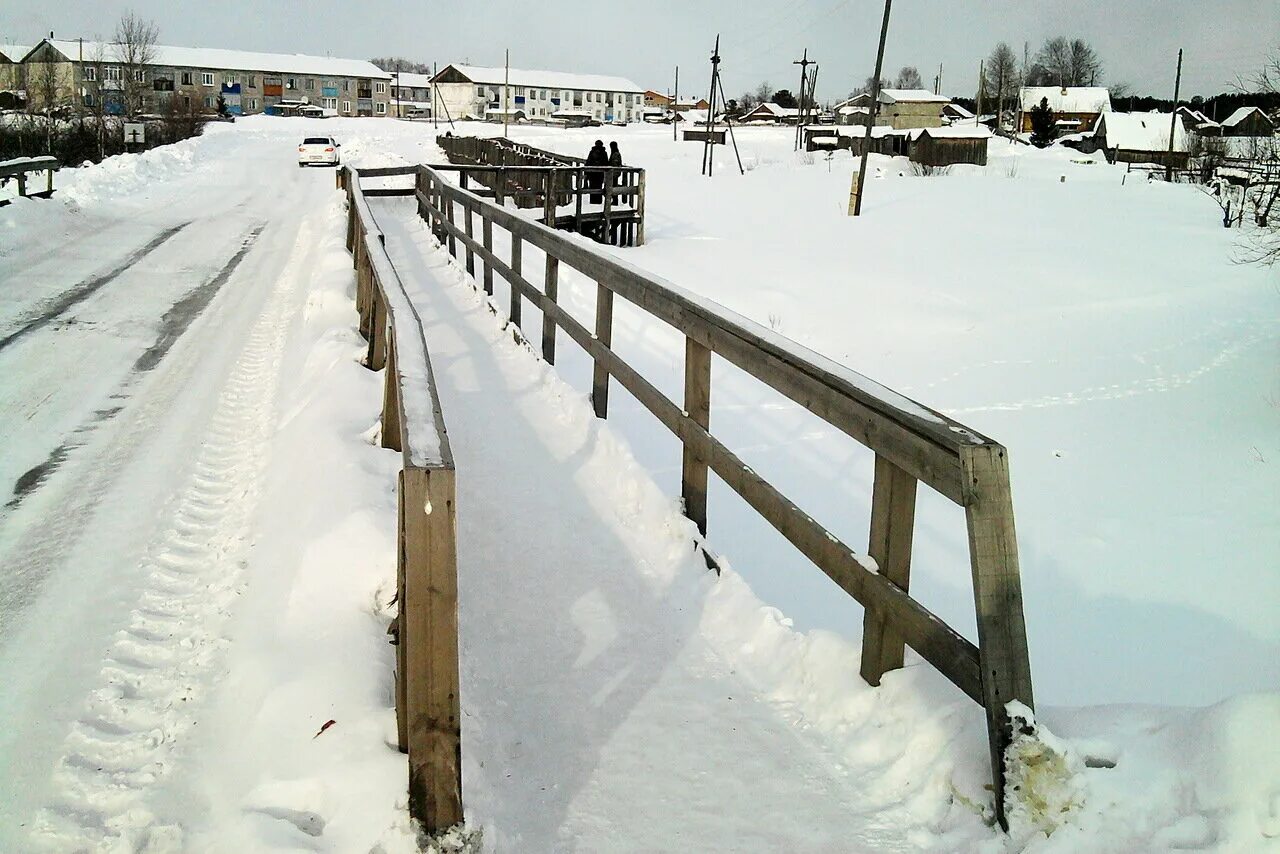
point(871, 113)
point(1173, 118)
point(506, 92)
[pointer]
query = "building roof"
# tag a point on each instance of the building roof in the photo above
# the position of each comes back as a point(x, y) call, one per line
point(14, 52)
point(775, 110)
point(896, 96)
point(232, 60)
point(1068, 99)
point(1141, 131)
point(852, 111)
point(1240, 115)
point(952, 132)
point(411, 78)
point(549, 79)
point(960, 111)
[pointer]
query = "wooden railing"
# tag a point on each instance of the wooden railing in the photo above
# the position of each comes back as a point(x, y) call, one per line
point(912, 443)
point(426, 625)
point(18, 170)
point(533, 178)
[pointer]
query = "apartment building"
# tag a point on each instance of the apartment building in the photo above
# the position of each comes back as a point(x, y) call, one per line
point(410, 94)
point(476, 91)
point(91, 75)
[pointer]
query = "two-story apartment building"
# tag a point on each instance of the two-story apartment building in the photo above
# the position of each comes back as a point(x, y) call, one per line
point(475, 91)
point(91, 75)
point(410, 94)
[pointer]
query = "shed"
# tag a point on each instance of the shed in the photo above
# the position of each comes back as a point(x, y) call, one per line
point(946, 146)
point(1247, 121)
point(1142, 138)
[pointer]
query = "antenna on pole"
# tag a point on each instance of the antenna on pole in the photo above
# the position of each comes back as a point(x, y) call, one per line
point(708, 146)
point(804, 62)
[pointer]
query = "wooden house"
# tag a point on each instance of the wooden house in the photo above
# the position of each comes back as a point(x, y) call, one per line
point(1248, 121)
point(898, 108)
point(1076, 109)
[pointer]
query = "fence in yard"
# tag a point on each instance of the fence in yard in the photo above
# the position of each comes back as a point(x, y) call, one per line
point(533, 178)
point(425, 630)
point(912, 445)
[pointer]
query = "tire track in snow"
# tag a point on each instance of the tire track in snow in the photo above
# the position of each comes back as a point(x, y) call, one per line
point(172, 325)
point(161, 664)
point(79, 293)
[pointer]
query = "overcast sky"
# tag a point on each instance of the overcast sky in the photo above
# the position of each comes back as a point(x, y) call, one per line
point(1137, 40)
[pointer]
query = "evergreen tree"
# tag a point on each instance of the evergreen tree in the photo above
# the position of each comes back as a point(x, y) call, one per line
point(1042, 126)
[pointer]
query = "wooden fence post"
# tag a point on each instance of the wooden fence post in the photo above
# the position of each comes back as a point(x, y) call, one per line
point(549, 201)
point(697, 404)
point(639, 205)
point(893, 509)
point(550, 285)
point(604, 334)
point(606, 232)
point(997, 592)
point(517, 262)
point(471, 255)
point(391, 437)
point(377, 357)
point(486, 229)
point(453, 244)
point(402, 669)
point(430, 636)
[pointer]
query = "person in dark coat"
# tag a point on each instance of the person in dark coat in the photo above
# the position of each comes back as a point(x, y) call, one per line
point(595, 180)
point(615, 156)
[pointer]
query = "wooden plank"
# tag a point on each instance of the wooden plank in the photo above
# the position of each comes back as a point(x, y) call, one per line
point(604, 334)
point(385, 192)
point(550, 288)
point(431, 654)
point(997, 593)
point(486, 229)
point(402, 700)
point(471, 254)
point(640, 209)
point(893, 510)
point(385, 171)
point(517, 261)
point(392, 417)
point(697, 406)
point(376, 358)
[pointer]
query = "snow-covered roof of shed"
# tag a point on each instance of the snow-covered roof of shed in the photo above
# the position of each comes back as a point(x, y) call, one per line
point(1141, 131)
point(959, 110)
point(852, 111)
point(14, 52)
point(893, 96)
point(1240, 115)
point(1069, 99)
point(233, 60)
point(494, 76)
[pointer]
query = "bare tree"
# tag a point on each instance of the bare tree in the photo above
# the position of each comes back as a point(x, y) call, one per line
point(1086, 67)
point(135, 46)
point(764, 93)
point(399, 63)
point(1266, 248)
point(94, 101)
point(1001, 69)
point(908, 78)
point(868, 85)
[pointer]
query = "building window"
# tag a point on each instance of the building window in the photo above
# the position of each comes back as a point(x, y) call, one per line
point(88, 99)
point(380, 87)
point(251, 84)
point(186, 78)
point(206, 79)
point(90, 73)
point(346, 106)
point(208, 100)
point(480, 91)
point(311, 84)
point(380, 107)
point(111, 72)
point(292, 83)
point(252, 103)
point(137, 74)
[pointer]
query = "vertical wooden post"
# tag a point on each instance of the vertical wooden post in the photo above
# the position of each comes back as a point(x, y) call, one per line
point(604, 334)
point(606, 232)
point(471, 255)
point(430, 635)
point(486, 229)
point(893, 510)
point(49, 187)
point(697, 404)
point(997, 592)
point(22, 184)
point(377, 358)
point(640, 209)
point(453, 244)
point(402, 669)
point(500, 188)
point(351, 220)
point(577, 209)
point(391, 437)
point(549, 201)
point(550, 286)
point(517, 261)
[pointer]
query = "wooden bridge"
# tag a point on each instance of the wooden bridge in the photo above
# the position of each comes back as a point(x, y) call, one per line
point(913, 445)
point(531, 177)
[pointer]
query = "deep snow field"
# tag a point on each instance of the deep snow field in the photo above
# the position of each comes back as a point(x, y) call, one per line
point(1095, 324)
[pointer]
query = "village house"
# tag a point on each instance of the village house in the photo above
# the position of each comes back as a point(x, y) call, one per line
point(85, 75)
point(1075, 108)
point(410, 94)
point(476, 91)
point(1142, 138)
point(953, 113)
point(769, 113)
point(1248, 121)
point(898, 108)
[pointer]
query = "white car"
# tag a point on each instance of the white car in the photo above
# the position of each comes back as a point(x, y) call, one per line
point(319, 150)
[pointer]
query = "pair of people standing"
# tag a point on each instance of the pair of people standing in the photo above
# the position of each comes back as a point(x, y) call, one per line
point(599, 157)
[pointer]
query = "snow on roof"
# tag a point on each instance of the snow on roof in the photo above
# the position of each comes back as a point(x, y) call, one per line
point(547, 79)
point(562, 114)
point(959, 110)
point(893, 96)
point(850, 111)
point(15, 52)
point(1240, 115)
point(233, 60)
point(411, 78)
point(1069, 99)
point(1141, 131)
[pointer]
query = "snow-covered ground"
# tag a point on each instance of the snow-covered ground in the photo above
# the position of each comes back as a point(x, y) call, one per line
point(197, 570)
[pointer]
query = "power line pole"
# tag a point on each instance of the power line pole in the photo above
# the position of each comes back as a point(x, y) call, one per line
point(937, 81)
point(435, 124)
point(1173, 118)
point(804, 62)
point(672, 106)
point(871, 113)
point(506, 92)
point(981, 86)
point(729, 124)
point(708, 147)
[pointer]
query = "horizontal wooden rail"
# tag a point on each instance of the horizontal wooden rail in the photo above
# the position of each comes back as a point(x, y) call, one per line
point(428, 710)
point(19, 168)
point(912, 444)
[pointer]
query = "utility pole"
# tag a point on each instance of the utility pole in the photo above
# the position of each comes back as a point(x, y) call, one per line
point(506, 92)
point(729, 124)
point(708, 147)
point(937, 81)
point(434, 71)
point(1173, 118)
point(981, 86)
point(1000, 101)
point(804, 62)
point(672, 105)
point(871, 113)
point(396, 95)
